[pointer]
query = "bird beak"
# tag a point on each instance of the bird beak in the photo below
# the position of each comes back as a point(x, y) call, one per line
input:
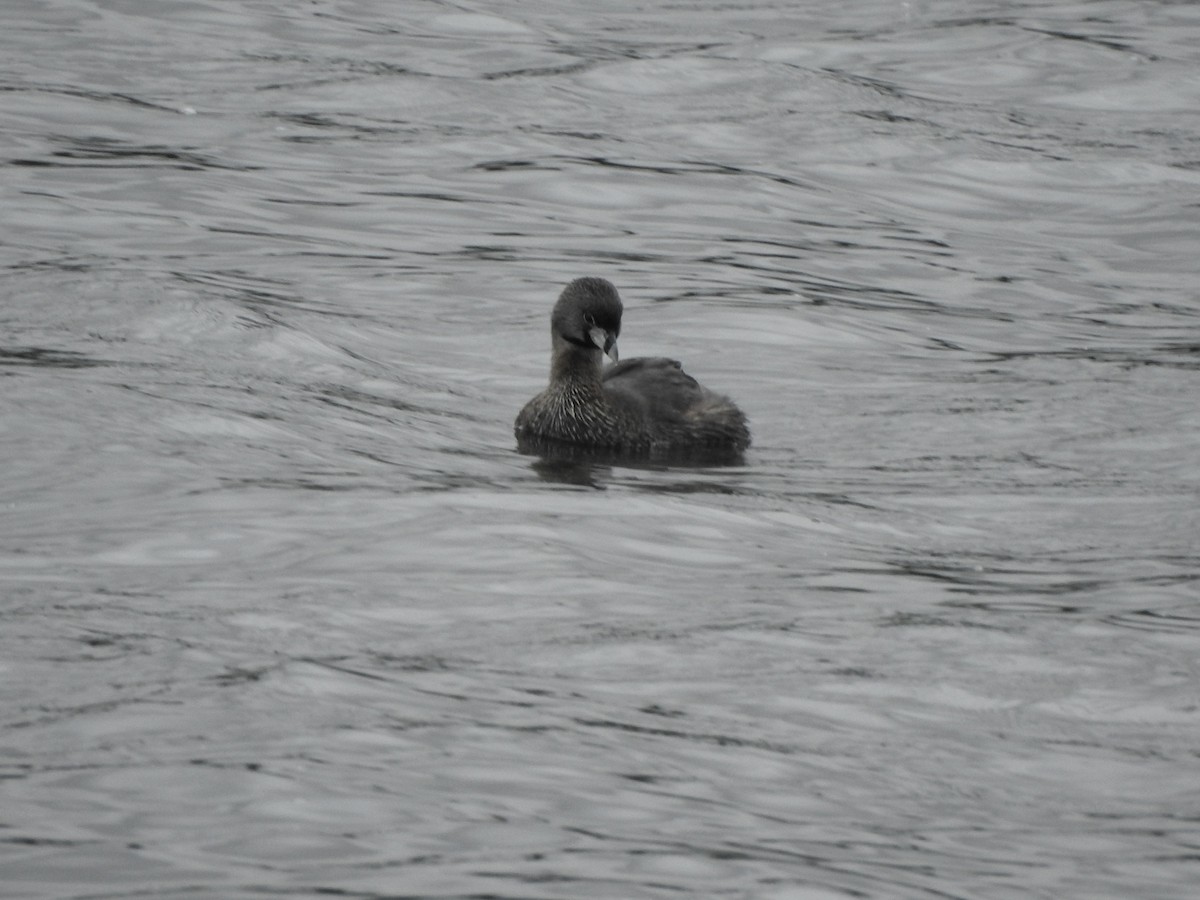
point(605, 341)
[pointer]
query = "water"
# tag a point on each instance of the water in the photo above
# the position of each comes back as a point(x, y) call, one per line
point(284, 614)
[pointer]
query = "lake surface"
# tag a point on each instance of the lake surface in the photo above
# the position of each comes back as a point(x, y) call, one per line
point(283, 613)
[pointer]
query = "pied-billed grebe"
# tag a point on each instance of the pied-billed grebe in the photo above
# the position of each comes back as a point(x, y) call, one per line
point(645, 405)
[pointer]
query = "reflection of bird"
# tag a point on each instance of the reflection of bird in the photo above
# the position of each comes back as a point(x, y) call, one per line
point(638, 406)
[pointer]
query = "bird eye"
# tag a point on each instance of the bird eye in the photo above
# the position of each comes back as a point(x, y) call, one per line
point(590, 320)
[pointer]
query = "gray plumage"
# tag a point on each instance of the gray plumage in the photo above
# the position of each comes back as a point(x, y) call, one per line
point(644, 405)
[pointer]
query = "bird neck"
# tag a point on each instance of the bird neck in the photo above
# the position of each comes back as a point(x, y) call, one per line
point(575, 366)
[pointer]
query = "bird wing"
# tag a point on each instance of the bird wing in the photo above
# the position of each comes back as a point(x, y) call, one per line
point(655, 385)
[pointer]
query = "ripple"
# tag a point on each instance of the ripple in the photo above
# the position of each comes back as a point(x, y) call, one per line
point(289, 614)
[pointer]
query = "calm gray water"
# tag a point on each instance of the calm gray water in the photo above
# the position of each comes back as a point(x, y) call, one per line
point(284, 614)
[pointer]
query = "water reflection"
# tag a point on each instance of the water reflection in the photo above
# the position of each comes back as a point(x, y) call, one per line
point(587, 466)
